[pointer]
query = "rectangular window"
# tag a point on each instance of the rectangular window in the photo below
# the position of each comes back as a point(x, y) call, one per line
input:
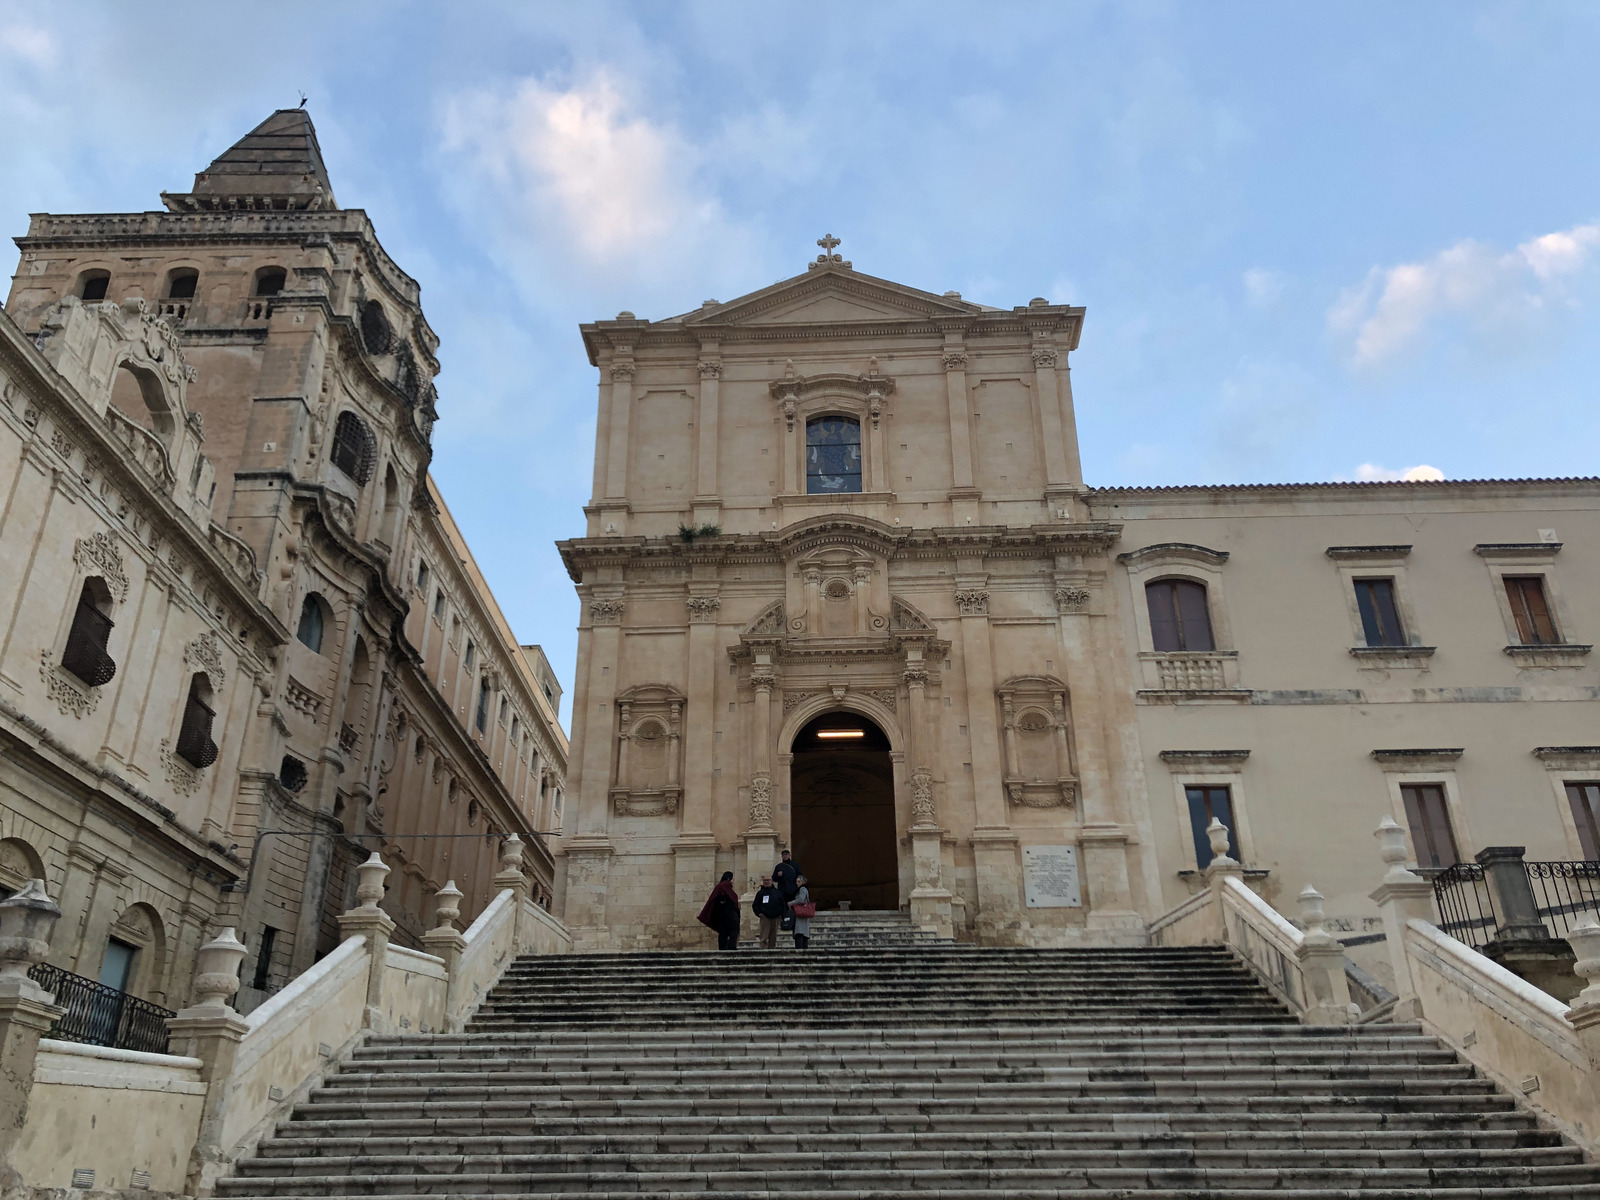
point(1530, 610)
point(1380, 618)
point(483, 703)
point(263, 975)
point(1429, 818)
point(505, 709)
point(422, 577)
point(438, 605)
point(116, 968)
point(472, 653)
point(1204, 804)
point(1585, 801)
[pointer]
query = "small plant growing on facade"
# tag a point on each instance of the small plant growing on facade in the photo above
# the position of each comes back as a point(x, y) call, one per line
point(689, 532)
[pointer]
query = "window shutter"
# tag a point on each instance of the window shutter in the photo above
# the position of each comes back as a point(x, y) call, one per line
point(1380, 617)
point(1585, 801)
point(1531, 610)
point(85, 654)
point(1163, 616)
point(1194, 616)
point(1431, 836)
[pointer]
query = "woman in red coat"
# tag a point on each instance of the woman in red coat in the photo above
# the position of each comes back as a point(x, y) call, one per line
point(722, 913)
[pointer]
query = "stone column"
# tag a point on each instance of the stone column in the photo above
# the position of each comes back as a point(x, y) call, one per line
point(1009, 728)
point(707, 503)
point(761, 839)
point(211, 1030)
point(994, 845)
point(930, 900)
point(26, 1012)
point(371, 922)
point(1044, 374)
point(877, 464)
point(813, 593)
point(963, 496)
point(694, 851)
point(1401, 896)
point(621, 417)
point(447, 942)
point(861, 589)
point(1322, 964)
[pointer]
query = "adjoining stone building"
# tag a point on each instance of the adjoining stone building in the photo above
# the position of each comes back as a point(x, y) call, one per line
point(244, 643)
point(844, 590)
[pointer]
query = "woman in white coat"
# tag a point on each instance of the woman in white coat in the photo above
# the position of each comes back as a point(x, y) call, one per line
point(802, 925)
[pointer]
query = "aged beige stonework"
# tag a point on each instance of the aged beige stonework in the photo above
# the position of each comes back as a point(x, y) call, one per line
point(242, 642)
point(844, 591)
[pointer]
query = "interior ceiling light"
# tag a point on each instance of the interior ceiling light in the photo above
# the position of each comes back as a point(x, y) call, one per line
point(841, 733)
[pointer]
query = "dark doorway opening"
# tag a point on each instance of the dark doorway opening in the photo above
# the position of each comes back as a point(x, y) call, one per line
point(841, 797)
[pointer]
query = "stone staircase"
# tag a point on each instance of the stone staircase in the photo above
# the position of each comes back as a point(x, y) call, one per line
point(891, 1069)
point(869, 931)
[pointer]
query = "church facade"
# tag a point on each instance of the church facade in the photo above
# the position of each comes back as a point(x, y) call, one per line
point(846, 592)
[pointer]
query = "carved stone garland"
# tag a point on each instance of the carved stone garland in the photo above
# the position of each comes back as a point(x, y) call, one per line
point(98, 555)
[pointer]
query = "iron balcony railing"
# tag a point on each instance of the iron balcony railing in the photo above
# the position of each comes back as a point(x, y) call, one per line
point(99, 1015)
point(1563, 892)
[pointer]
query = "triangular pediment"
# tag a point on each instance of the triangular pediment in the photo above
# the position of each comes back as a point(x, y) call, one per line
point(832, 295)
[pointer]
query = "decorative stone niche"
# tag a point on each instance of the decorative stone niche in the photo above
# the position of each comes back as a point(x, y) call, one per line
point(649, 765)
point(1036, 717)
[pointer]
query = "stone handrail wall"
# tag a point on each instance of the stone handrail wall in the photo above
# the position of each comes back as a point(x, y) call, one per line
point(1519, 1036)
point(326, 1006)
point(414, 989)
point(144, 448)
point(113, 1112)
point(1192, 923)
point(490, 944)
point(1267, 943)
point(541, 933)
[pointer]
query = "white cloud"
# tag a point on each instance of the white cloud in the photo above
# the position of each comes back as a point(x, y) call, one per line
point(36, 46)
point(1263, 288)
point(1387, 313)
point(1422, 473)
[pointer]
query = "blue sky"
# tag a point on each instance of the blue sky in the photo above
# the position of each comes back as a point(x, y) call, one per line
point(1315, 241)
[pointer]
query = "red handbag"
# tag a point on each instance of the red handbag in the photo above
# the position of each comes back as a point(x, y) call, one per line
point(806, 910)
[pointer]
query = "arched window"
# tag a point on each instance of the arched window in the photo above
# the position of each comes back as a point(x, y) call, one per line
point(270, 281)
point(1179, 616)
point(376, 333)
point(833, 455)
point(195, 746)
point(181, 283)
point(354, 448)
point(92, 285)
point(292, 773)
point(313, 622)
point(85, 654)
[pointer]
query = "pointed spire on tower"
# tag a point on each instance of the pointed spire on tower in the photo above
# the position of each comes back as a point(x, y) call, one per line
point(277, 165)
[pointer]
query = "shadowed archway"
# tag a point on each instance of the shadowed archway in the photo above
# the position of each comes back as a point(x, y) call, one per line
point(841, 795)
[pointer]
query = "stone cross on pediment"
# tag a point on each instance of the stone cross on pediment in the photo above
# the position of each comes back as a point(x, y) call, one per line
point(828, 258)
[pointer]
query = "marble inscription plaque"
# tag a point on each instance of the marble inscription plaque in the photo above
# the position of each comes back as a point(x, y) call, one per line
point(1050, 876)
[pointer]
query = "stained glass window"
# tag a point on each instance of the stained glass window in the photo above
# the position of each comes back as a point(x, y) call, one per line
point(833, 455)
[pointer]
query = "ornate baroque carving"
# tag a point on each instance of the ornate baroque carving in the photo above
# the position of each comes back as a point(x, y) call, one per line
point(760, 802)
point(98, 555)
point(922, 810)
point(887, 697)
point(607, 612)
point(1072, 599)
point(973, 602)
point(70, 696)
point(621, 371)
point(1043, 357)
point(204, 654)
point(710, 370)
point(791, 699)
point(704, 608)
point(955, 360)
point(185, 780)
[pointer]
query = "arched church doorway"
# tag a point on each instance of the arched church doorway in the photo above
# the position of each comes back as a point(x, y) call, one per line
point(841, 797)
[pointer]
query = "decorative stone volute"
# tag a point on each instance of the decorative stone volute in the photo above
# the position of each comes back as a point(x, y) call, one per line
point(26, 920)
point(217, 970)
point(447, 906)
point(371, 875)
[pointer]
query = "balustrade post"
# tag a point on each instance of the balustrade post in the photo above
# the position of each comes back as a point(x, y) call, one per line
point(26, 1011)
point(1521, 943)
point(510, 878)
point(369, 921)
point(448, 943)
point(1222, 867)
point(1322, 965)
point(1585, 1011)
point(210, 1030)
point(1401, 896)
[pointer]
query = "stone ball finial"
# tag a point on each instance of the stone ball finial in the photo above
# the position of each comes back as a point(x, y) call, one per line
point(371, 874)
point(447, 905)
point(26, 920)
point(217, 969)
point(1038, 302)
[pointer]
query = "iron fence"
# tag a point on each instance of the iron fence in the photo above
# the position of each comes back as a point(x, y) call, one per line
point(100, 1015)
point(1564, 892)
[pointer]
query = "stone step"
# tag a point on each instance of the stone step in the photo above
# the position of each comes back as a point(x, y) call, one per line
point(1047, 1192)
point(782, 1179)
